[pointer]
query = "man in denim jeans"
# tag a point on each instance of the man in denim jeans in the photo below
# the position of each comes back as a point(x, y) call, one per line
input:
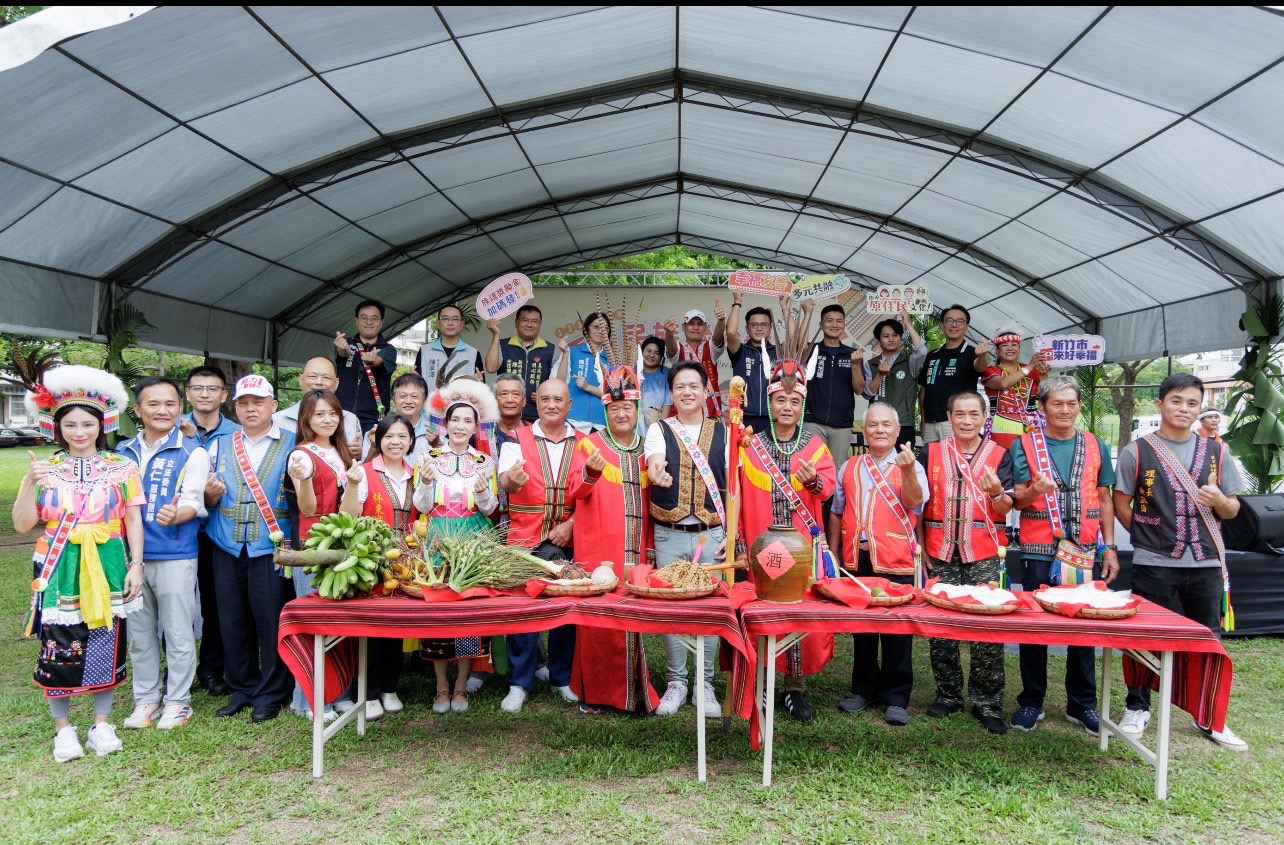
point(687, 464)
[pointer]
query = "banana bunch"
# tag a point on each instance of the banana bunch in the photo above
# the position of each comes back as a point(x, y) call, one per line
point(363, 539)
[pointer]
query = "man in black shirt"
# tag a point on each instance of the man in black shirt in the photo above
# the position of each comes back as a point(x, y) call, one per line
point(365, 364)
point(751, 359)
point(834, 379)
point(954, 368)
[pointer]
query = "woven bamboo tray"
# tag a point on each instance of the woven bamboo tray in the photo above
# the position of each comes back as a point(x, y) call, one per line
point(410, 589)
point(874, 601)
point(578, 589)
point(979, 609)
point(670, 593)
point(1091, 612)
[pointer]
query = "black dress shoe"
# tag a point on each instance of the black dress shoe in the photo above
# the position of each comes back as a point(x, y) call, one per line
point(994, 723)
point(231, 709)
point(941, 708)
point(797, 706)
point(265, 713)
point(216, 687)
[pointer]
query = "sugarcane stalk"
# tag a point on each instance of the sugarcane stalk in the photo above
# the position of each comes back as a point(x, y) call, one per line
point(307, 557)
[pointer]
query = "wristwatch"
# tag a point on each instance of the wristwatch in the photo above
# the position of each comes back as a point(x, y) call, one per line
point(1112, 547)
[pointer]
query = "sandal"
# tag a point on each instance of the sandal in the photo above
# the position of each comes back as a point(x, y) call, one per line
point(441, 702)
point(459, 702)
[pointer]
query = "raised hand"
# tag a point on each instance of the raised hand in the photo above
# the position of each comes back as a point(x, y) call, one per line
point(671, 325)
point(905, 457)
point(737, 297)
point(517, 473)
point(299, 466)
point(39, 469)
point(186, 427)
point(214, 485)
point(481, 482)
point(1043, 484)
point(983, 348)
point(718, 310)
point(427, 469)
point(356, 472)
point(657, 470)
point(883, 366)
point(989, 483)
point(493, 325)
point(581, 382)
point(806, 472)
point(341, 344)
point(167, 514)
point(596, 461)
point(563, 344)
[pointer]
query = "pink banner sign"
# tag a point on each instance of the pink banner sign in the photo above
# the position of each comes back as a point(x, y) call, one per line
point(767, 284)
point(1071, 350)
point(890, 299)
point(504, 296)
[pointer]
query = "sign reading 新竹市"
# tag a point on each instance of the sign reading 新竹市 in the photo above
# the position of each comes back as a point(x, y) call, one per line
point(819, 287)
point(753, 281)
point(504, 296)
point(891, 299)
point(1071, 350)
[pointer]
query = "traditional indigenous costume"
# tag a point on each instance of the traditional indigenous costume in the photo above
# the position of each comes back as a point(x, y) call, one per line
point(771, 495)
point(706, 353)
point(78, 608)
point(613, 527)
point(450, 502)
point(1012, 411)
point(965, 547)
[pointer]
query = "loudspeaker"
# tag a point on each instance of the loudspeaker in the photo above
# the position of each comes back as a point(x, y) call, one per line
point(1259, 525)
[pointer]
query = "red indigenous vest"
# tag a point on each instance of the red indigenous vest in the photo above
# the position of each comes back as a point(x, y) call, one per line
point(950, 494)
point(889, 547)
point(543, 501)
point(325, 485)
point(1036, 526)
point(383, 505)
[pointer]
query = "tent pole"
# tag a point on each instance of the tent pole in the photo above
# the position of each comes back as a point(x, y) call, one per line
point(276, 358)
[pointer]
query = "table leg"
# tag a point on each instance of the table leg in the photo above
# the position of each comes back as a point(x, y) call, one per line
point(1165, 722)
point(318, 705)
point(768, 725)
point(700, 720)
point(361, 686)
point(760, 684)
point(1107, 662)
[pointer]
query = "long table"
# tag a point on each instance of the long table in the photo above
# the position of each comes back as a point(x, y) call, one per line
point(324, 641)
point(1182, 659)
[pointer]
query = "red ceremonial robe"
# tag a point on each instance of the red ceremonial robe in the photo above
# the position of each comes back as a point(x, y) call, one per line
point(610, 666)
point(756, 517)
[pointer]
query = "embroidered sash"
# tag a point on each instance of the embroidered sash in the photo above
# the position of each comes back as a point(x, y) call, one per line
point(252, 482)
point(47, 566)
point(957, 462)
point(824, 560)
point(701, 464)
point(893, 501)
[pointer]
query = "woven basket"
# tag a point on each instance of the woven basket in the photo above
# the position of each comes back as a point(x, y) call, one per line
point(980, 609)
point(413, 590)
point(578, 589)
point(874, 601)
point(1090, 612)
point(670, 593)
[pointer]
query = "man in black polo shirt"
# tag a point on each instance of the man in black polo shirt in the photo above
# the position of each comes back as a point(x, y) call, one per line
point(525, 355)
point(834, 378)
point(954, 368)
point(365, 364)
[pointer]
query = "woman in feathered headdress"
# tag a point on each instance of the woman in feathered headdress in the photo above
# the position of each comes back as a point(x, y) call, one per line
point(1011, 387)
point(457, 491)
point(88, 499)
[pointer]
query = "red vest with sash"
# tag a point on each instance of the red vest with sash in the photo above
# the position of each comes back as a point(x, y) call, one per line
point(890, 551)
point(383, 505)
point(545, 499)
point(1036, 525)
point(325, 486)
point(951, 494)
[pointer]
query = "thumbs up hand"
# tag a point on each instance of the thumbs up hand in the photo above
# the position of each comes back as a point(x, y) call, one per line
point(167, 514)
point(38, 470)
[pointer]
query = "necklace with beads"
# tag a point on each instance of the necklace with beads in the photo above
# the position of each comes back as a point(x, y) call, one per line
point(792, 444)
point(615, 444)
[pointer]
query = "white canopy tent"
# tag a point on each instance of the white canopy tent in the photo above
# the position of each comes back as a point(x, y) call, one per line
point(246, 175)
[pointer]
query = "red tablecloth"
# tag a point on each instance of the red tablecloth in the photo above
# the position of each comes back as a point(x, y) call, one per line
point(400, 616)
point(1202, 670)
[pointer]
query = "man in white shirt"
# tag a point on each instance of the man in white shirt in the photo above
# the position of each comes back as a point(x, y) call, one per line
point(319, 374)
point(173, 469)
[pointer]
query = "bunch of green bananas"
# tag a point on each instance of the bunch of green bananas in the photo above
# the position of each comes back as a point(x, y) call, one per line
point(363, 538)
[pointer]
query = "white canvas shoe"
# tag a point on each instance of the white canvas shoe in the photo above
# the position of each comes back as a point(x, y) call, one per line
point(567, 694)
point(1134, 722)
point(67, 745)
point(374, 711)
point(391, 703)
point(102, 739)
point(513, 702)
point(1226, 738)
point(712, 709)
point(672, 699)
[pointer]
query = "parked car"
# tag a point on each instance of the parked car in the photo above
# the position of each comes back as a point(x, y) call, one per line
point(17, 437)
point(34, 432)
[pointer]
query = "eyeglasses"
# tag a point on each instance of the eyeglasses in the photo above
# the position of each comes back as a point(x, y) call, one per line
point(368, 319)
point(450, 319)
point(760, 325)
point(206, 388)
point(954, 321)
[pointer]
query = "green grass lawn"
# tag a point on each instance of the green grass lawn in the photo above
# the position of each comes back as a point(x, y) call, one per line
point(550, 774)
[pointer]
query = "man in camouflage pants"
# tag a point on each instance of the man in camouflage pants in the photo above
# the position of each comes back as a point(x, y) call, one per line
point(970, 491)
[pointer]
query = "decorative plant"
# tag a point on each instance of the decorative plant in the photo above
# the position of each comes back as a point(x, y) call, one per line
point(1256, 435)
point(1092, 388)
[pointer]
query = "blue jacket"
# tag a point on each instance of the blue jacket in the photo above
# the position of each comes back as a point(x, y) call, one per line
point(236, 523)
point(585, 407)
point(205, 438)
point(161, 479)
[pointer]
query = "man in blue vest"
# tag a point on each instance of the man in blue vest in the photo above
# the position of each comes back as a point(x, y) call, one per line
point(247, 502)
point(525, 355)
point(206, 390)
point(447, 356)
point(173, 470)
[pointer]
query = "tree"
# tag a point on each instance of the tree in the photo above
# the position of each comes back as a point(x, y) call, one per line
point(1092, 403)
point(1122, 393)
point(9, 14)
point(1256, 434)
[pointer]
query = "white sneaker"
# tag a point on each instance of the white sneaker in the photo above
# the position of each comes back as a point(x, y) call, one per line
point(712, 709)
point(567, 694)
point(102, 739)
point(67, 745)
point(513, 702)
point(343, 705)
point(374, 711)
point(1134, 722)
point(1226, 738)
point(474, 683)
point(391, 703)
point(672, 699)
point(143, 715)
point(327, 715)
point(174, 716)
point(541, 674)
